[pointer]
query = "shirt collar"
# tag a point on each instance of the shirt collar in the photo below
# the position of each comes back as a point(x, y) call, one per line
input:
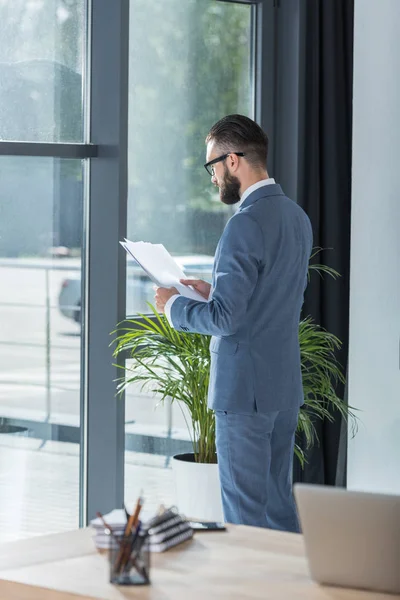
point(253, 188)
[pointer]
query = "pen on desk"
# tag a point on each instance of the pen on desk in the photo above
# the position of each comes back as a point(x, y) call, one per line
point(106, 525)
point(134, 518)
point(108, 528)
point(132, 546)
point(134, 529)
point(136, 557)
point(126, 513)
point(137, 545)
point(135, 537)
point(125, 551)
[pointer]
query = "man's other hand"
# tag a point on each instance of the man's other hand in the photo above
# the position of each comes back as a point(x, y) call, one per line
point(199, 285)
point(162, 296)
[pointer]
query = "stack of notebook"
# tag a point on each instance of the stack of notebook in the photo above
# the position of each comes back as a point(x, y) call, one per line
point(165, 530)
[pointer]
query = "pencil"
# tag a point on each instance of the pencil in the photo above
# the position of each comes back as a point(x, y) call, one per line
point(124, 553)
point(134, 518)
point(126, 513)
point(106, 525)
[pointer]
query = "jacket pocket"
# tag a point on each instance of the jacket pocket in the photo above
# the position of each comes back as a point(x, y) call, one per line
point(223, 346)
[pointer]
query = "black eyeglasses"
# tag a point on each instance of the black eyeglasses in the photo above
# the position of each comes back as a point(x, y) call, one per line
point(209, 167)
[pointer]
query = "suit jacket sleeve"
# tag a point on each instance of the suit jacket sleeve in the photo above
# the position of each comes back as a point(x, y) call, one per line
point(239, 259)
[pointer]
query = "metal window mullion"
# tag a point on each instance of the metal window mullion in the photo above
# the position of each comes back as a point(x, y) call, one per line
point(265, 72)
point(247, 2)
point(104, 269)
point(49, 150)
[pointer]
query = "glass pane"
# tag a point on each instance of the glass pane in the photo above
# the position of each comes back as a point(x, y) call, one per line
point(41, 57)
point(190, 65)
point(41, 202)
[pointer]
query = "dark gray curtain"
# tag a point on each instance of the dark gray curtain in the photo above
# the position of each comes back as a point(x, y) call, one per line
point(324, 191)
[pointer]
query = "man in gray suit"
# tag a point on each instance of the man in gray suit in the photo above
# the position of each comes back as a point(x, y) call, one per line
point(253, 313)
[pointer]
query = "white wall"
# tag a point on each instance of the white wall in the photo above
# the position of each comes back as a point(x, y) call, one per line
point(374, 361)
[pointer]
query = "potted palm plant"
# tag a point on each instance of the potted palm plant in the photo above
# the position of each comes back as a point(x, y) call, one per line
point(176, 366)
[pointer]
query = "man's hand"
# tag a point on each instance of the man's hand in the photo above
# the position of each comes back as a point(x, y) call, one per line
point(162, 296)
point(199, 285)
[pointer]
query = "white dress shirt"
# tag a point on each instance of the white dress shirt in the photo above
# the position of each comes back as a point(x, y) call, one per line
point(246, 193)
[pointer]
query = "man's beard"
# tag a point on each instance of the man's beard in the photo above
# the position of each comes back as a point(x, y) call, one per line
point(229, 191)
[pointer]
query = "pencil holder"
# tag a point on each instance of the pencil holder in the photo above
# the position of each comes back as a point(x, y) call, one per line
point(130, 560)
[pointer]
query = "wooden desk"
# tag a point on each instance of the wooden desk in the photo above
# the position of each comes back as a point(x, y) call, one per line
point(243, 563)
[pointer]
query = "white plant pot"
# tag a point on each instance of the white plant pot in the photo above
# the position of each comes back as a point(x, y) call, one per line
point(198, 491)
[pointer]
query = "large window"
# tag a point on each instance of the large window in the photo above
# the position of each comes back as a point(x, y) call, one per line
point(190, 64)
point(41, 217)
point(41, 58)
point(42, 53)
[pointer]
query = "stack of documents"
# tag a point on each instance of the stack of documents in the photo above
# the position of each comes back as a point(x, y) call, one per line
point(159, 265)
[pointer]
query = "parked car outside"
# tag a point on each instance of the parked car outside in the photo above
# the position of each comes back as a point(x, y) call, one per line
point(139, 288)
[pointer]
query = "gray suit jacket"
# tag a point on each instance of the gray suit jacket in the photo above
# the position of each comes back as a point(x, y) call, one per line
point(259, 278)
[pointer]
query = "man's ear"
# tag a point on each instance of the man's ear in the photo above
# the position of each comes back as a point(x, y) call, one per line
point(233, 162)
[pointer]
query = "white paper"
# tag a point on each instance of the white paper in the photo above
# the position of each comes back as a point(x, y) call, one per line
point(115, 519)
point(160, 267)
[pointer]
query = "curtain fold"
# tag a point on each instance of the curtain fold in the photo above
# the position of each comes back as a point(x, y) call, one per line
point(324, 191)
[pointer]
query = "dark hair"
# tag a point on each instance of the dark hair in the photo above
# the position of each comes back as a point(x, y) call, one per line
point(241, 134)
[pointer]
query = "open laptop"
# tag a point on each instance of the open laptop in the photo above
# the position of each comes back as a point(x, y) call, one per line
point(352, 539)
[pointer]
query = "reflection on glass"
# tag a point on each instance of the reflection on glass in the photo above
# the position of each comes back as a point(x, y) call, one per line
point(190, 64)
point(40, 268)
point(41, 46)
